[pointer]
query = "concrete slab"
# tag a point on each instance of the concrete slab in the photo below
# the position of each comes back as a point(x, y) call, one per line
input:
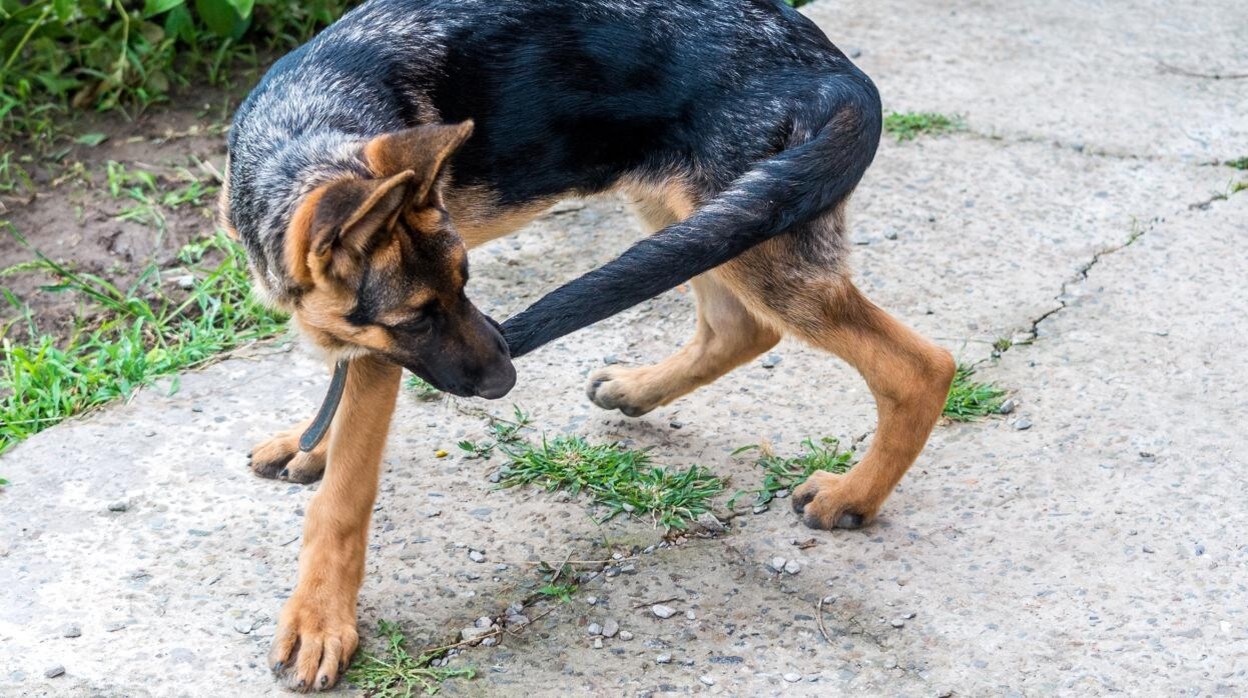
point(1106, 76)
point(1054, 559)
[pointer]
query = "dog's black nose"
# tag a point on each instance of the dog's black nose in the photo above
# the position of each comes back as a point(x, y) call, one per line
point(497, 382)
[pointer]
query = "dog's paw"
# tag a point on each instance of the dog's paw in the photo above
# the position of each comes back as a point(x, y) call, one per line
point(279, 458)
point(828, 501)
point(623, 389)
point(316, 636)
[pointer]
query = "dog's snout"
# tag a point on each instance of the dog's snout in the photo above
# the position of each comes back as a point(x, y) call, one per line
point(498, 381)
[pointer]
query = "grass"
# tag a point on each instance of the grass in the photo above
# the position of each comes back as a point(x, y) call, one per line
point(61, 56)
point(969, 399)
point(624, 481)
point(504, 431)
point(1240, 164)
point(395, 673)
point(780, 474)
point(137, 335)
point(422, 389)
point(907, 126)
point(150, 199)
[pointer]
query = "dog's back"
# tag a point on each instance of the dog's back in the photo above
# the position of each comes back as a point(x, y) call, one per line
point(567, 97)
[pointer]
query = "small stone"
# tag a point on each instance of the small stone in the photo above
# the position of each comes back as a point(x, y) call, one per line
point(610, 627)
point(515, 608)
point(476, 556)
point(484, 622)
point(489, 641)
point(771, 361)
point(1022, 424)
point(597, 643)
point(591, 600)
point(855, 53)
point(663, 659)
point(114, 626)
point(517, 619)
point(594, 629)
point(629, 568)
point(897, 623)
point(708, 521)
point(890, 235)
point(829, 599)
point(185, 282)
point(119, 506)
point(675, 424)
point(792, 567)
point(778, 563)
point(792, 677)
point(706, 680)
point(625, 635)
point(72, 630)
point(474, 634)
point(1007, 406)
point(690, 615)
point(610, 359)
point(662, 611)
point(1148, 549)
point(760, 508)
point(781, 494)
point(54, 671)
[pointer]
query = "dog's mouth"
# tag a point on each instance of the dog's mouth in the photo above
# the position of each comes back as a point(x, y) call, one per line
point(493, 384)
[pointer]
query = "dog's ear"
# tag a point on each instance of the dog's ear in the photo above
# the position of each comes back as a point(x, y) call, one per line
point(423, 150)
point(344, 218)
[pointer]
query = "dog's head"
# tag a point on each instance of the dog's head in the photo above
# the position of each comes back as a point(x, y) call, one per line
point(382, 268)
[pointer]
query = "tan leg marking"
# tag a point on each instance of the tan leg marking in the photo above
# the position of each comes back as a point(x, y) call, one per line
point(727, 335)
point(316, 631)
point(908, 375)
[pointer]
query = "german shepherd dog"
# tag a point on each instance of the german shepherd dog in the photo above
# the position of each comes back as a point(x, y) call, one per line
point(366, 163)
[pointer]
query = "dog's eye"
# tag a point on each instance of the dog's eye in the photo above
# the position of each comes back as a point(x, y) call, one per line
point(419, 322)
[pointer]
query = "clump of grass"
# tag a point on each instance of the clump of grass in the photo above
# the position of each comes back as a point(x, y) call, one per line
point(781, 474)
point(1240, 164)
point(622, 480)
point(504, 431)
point(422, 389)
point(910, 125)
point(969, 399)
point(395, 673)
point(138, 335)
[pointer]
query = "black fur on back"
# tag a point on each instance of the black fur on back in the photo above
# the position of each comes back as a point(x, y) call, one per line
point(745, 101)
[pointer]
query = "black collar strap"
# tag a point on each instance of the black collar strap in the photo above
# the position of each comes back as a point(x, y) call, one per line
point(325, 416)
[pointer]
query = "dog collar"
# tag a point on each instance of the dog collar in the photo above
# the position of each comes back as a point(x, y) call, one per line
point(325, 416)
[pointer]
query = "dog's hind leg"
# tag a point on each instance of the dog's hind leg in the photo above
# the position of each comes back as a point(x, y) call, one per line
point(280, 458)
point(798, 281)
point(727, 335)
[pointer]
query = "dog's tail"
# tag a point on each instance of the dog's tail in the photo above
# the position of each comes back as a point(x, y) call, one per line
point(835, 140)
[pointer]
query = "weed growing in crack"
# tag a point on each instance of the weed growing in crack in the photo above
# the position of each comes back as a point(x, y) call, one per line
point(1240, 164)
point(622, 480)
point(394, 673)
point(910, 125)
point(781, 474)
point(969, 399)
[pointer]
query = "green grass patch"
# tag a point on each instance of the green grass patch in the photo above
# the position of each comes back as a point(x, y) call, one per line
point(60, 55)
point(1240, 164)
point(780, 474)
point(504, 431)
point(907, 126)
point(137, 335)
point(623, 480)
point(422, 389)
point(395, 673)
point(970, 399)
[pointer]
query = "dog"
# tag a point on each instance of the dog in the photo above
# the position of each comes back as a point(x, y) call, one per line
point(366, 163)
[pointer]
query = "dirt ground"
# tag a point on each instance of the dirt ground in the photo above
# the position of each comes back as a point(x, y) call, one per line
point(69, 213)
point(1093, 542)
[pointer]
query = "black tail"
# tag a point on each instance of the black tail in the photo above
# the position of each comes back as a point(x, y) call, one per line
point(794, 187)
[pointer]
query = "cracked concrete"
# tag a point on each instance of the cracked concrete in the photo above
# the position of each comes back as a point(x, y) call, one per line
point(1102, 550)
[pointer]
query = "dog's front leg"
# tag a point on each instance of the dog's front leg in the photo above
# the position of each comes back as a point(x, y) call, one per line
point(316, 632)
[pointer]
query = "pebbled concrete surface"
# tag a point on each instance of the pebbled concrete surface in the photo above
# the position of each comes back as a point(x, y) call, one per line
point(1104, 549)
